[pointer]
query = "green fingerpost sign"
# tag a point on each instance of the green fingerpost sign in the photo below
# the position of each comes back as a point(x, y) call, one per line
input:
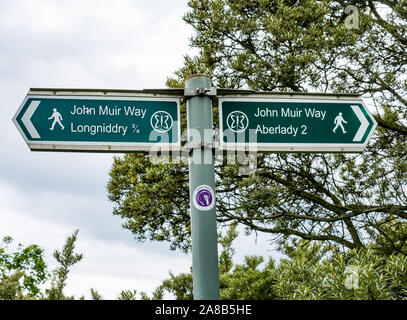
point(98, 123)
point(127, 120)
point(312, 124)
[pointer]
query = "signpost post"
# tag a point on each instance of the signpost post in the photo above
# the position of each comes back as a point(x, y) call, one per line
point(202, 191)
point(323, 123)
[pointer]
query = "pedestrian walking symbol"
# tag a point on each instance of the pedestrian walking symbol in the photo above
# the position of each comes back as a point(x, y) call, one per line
point(57, 119)
point(339, 121)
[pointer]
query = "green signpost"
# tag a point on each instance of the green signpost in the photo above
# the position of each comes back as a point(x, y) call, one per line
point(95, 122)
point(295, 124)
point(126, 121)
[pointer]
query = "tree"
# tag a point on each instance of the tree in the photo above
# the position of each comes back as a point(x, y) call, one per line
point(390, 236)
point(21, 272)
point(284, 45)
point(66, 258)
point(310, 271)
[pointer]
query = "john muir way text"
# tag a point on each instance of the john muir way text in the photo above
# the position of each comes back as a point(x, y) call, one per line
point(286, 113)
point(108, 128)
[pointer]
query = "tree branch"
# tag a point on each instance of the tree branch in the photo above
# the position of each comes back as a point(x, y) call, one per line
point(386, 25)
point(391, 125)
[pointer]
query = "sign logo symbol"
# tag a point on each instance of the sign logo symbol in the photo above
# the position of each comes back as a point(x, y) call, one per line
point(237, 121)
point(161, 121)
point(203, 198)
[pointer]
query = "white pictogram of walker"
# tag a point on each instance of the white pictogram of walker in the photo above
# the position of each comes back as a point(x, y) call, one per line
point(339, 121)
point(57, 119)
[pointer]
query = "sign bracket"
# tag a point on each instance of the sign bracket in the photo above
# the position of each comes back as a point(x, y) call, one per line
point(201, 92)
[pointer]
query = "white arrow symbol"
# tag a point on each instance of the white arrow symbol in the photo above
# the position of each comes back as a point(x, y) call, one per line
point(364, 124)
point(26, 119)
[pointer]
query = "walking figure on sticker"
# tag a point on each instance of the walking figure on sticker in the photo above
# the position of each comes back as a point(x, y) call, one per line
point(57, 119)
point(339, 122)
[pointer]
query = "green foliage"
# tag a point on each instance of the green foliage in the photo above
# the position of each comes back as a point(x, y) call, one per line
point(151, 199)
point(374, 277)
point(180, 286)
point(95, 295)
point(391, 236)
point(132, 295)
point(21, 272)
point(10, 287)
point(127, 295)
point(267, 45)
point(225, 257)
point(249, 281)
point(66, 258)
point(310, 271)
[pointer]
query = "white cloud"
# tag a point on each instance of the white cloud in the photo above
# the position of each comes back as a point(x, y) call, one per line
point(86, 43)
point(50, 17)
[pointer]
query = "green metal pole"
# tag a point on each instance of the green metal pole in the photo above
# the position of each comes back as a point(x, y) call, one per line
point(202, 193)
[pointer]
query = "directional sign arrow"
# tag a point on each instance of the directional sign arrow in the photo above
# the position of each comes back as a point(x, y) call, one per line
point(26, 119)
point(303, 123)
point(99, 121)
point(364, 123)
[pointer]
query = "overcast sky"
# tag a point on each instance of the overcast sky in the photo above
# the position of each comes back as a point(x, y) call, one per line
point(45, 196)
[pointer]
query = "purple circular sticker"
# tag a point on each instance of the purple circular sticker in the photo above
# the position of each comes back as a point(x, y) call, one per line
point(203, 198)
